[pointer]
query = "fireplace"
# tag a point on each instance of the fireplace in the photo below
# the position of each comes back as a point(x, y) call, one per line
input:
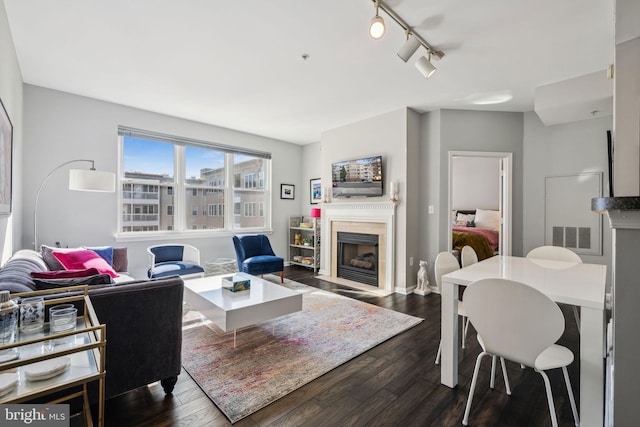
point(357, 257)
point(358, 219)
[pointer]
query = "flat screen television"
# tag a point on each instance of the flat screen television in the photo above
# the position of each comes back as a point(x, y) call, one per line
point(357, 178)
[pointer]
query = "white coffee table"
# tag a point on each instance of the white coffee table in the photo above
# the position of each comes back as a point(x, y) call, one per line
point(232, 311)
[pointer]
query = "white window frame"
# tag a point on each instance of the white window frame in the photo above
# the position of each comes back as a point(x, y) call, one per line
point(179, 227)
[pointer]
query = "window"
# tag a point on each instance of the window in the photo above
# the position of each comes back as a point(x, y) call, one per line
point(216, 210)
point(250, 180)
point(160, 172)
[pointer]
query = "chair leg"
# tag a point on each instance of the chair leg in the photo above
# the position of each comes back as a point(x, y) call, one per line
point(465, 328)
point(282, 276)
point(552, 408)
point(576, 419)
point(439, 351)
point(576, 314)
point(492, 383)
point(504, 375)
point(465, 419)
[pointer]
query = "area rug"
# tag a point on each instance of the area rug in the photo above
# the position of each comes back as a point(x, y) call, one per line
point(274, 358)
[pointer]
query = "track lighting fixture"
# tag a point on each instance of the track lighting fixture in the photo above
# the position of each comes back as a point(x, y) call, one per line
point(425, 67)
point(411, 45)
point(377, 28)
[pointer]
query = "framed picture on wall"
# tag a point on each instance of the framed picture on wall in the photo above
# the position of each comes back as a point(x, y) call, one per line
point(6, 160)
point(315, 190)
point(287, 191)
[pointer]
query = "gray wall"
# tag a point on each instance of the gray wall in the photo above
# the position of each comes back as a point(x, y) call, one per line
point(11, 96)
point(559, 150)
point(387, 135)
point(311, 169)
point(60, 126)
point(481, 131)
point(537, 152)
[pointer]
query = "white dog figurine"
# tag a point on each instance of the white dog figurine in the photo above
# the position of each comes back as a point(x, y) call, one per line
point(423, 281)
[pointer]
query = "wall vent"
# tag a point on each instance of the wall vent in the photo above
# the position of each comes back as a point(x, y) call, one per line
point(571, 237)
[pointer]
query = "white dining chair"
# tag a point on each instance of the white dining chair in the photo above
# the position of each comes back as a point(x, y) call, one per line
point(521, 324)
point(446, 263)
point(468, 256)
point(558, 253)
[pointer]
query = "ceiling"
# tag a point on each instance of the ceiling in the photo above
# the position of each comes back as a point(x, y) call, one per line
point(238, 64)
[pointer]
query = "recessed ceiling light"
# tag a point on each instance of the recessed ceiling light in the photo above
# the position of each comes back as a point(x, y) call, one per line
point(489, 98)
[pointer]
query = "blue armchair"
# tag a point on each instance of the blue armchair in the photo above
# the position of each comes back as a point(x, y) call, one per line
point(171, 260)
point(256, 257)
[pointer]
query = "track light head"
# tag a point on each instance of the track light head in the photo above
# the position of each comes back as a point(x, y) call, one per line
point(408, 48)
point(425, 67)
point(377, 28)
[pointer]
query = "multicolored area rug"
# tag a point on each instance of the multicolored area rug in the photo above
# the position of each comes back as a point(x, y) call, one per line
point(275, 358)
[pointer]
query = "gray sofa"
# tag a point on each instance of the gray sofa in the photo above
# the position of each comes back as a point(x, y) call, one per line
point(143, 323)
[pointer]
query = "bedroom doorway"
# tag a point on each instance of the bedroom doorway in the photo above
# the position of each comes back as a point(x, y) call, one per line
point(467, 171)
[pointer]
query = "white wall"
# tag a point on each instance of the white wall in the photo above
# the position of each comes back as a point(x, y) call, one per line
point(476, 183)
point(60, 126)
point(11, 96)
point(561, 150)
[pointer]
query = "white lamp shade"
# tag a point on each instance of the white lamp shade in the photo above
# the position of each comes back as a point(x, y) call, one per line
point(408, 48)
point(376, 29)
point(91, 180)
point(425, 67)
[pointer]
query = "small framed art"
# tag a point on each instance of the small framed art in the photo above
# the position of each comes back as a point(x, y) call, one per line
point(315, 190)
point(287, 191)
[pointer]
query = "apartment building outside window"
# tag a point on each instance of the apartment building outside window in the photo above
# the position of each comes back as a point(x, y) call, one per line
point(178, 185)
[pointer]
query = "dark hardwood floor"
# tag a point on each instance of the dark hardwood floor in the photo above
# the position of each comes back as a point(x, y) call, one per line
point(393, 384)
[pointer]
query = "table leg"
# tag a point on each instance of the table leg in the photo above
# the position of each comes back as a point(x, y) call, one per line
point(592, 336)
point(449, 335)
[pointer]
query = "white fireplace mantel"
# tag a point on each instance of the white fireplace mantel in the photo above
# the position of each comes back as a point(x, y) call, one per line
point(365, 211)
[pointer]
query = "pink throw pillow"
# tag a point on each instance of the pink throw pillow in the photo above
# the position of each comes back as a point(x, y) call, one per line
point(83, 259)
point(64, 274)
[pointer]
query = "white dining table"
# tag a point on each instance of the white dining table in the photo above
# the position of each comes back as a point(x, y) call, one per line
point(577, 284)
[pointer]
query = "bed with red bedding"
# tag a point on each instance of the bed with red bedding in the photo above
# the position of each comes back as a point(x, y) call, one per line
point(492, 236)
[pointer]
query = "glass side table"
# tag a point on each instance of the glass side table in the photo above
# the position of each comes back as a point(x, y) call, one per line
point(74, 358)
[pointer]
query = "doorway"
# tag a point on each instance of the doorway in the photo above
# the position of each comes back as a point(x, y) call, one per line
point(500, 190)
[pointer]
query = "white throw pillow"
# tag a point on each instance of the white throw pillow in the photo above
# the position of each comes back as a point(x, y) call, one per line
point(488, 219)
point(464, 218)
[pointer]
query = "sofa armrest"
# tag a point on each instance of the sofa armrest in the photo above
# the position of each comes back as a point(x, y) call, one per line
point(144, 331)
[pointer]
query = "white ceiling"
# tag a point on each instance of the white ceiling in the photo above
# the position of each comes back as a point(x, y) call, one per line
point(238, 64)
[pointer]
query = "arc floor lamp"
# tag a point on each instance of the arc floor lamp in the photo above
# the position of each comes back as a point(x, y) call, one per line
point(79, 180)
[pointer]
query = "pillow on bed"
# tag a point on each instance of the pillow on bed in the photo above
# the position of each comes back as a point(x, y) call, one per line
point(488, 219)
point(465, 219)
